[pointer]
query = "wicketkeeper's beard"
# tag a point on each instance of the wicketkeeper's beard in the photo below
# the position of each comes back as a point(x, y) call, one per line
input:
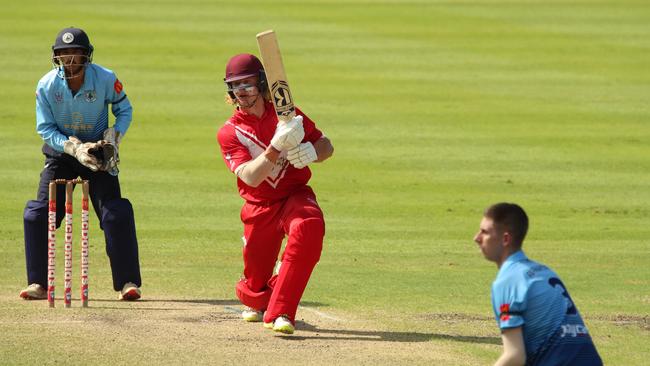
point(243, 104)
point(74, 71)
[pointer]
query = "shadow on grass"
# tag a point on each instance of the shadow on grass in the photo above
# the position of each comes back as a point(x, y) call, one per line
point(131, 304)
point(205, 301)
point(382, 336)
point(313, 304)
point(188, 301)
point(199, 301)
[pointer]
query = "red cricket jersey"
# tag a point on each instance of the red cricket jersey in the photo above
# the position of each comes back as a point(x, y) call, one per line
point(244, 137)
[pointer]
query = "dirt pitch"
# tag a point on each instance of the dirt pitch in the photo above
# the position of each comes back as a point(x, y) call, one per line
point(211, 332)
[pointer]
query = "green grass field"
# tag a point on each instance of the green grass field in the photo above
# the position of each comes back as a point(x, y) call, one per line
point(436, 109)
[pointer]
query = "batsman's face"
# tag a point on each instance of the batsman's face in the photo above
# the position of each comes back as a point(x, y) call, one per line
point(490, 240)
point(246, 91)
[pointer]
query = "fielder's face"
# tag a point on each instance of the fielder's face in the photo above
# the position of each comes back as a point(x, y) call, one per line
point(490, 241)
point(246, 91)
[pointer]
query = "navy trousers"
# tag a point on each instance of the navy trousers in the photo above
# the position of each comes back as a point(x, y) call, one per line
point(115, 216)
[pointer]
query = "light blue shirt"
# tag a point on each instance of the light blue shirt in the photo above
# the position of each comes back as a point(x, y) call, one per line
point(60, 114)
point(530, 295)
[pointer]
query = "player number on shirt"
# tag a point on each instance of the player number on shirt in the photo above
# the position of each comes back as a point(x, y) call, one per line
point(554, 281)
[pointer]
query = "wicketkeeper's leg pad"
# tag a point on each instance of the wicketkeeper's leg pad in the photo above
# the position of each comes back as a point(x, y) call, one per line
point(121, 242)
point(35, 227)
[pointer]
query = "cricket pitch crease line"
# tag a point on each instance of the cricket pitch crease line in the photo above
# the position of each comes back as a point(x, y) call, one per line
point(321, 314)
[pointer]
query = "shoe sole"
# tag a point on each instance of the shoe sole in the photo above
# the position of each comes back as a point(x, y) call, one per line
point(26, 296)
point(284, 330)
point(131, 295)
point(252, 319)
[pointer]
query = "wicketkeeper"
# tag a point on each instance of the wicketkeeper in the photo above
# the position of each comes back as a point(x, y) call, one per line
point(271, 162)
point(72, 118)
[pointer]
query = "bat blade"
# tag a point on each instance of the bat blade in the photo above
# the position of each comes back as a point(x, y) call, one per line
point(277, 79)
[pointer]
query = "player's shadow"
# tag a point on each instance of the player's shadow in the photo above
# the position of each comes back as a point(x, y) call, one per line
point(381, 336)
point(313, 304)
point(198, 301)
point(190, 301)
point(129, 305)
point(206, 301)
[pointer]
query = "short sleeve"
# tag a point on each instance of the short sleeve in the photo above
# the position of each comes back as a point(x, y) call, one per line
point(115, 93)
point(233, 152)
point(509, 303)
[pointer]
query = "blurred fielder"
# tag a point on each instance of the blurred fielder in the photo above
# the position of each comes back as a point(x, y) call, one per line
point(271, 162)
point(72, 118)
point(540, 324)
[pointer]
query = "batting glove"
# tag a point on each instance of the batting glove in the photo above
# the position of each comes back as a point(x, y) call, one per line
point(82, 152)
point(288, 135)
point(301, 155)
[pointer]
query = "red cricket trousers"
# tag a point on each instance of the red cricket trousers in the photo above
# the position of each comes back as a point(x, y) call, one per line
point(299, 218)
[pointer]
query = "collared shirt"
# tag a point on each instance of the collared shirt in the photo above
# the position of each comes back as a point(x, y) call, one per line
point(244, 137)
point(60, 114)
point(530, 295)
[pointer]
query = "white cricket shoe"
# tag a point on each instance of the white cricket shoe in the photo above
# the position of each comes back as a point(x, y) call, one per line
point(130, 292)
point(251, 315)
point(281, 324)
point(34, 292)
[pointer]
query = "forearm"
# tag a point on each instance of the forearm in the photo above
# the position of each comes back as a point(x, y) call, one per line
point(45, 124)
point(509, 359)
point(123, 113)
point(255, 171)
point(324, 149)
point(51, 135)
point(514, 350)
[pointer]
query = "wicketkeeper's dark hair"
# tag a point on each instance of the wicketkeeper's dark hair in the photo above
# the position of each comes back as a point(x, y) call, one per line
point(509, 217)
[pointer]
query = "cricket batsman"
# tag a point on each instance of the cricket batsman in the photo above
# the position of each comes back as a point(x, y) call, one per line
point(72, 119)
point(271, 161)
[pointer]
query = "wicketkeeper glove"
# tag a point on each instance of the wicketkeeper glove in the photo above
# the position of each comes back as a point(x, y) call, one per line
point(82, 152)
point(301, 155)
point(112, 136)
point(109, 156)
point(288, 135)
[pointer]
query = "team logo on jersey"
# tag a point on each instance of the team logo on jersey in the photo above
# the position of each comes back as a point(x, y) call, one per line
point(90, 96)
point(504, 310)
point(58, 97)
point(574, 330)
point(67, 37)
point(77, 118)
point(118, 86)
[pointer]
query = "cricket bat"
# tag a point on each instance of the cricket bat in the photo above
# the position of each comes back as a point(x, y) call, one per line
point(276, 76)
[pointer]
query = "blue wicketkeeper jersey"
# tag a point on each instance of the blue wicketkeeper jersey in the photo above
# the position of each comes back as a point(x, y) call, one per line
point(60, 114)
point(530, 295)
